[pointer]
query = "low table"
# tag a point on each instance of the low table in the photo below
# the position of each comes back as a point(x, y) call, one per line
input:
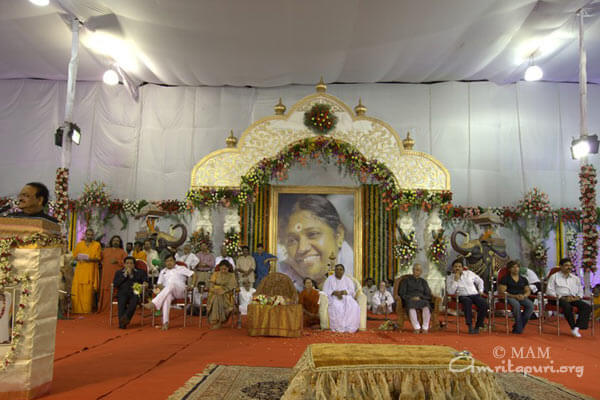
point(280, 320)
point(381, 371)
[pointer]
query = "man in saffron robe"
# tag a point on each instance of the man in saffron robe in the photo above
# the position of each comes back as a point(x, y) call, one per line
point(85, 280)
point(344, 311)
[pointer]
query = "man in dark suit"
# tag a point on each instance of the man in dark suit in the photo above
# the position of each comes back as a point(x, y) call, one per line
point(123, 282)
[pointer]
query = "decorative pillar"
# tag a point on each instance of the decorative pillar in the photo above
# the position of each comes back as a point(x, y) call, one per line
point(406, 245)
point(205, 221)
point(433, 227)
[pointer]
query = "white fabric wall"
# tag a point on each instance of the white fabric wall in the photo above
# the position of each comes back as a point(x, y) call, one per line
point(496, 141)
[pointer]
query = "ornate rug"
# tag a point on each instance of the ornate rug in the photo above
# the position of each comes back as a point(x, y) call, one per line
point(233, 382)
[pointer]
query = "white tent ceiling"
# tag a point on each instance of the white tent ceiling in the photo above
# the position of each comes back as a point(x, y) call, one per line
point(267, 43)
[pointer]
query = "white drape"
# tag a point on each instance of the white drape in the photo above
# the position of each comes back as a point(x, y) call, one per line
point(496, 141)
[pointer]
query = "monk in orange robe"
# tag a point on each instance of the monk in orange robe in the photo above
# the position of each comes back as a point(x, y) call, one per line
point(85, 279)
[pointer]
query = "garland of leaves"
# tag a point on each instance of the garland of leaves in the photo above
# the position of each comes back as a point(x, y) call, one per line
point(61, 192)
point(587, 186)
point(438, 250)
point(10, 278)
point(406, 250)
point(232, 243)
point(198, 238)
point(320, 119)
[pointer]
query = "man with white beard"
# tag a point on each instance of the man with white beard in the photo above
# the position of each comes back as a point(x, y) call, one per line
point(189, 258)
point(344, 311)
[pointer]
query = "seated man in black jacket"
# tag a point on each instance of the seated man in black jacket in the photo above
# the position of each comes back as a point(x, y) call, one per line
point(123, 282)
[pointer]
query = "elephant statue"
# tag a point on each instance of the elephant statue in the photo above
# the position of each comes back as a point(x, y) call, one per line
point(170, 241)
point(484, 256)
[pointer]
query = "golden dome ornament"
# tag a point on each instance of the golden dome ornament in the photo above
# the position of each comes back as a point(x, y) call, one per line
point(321, 86)
point(279, 108)
point(408, 143)
point(360, 109)
point(231, 140)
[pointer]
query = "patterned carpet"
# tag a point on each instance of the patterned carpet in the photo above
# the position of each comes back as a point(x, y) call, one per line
point(232, 382)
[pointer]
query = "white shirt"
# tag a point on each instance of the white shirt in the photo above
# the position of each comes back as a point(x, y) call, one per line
point(175, 276)
point(369, 292)
point(559, 285)
point(532, 278)
point(382, 298)
point(151, 255)
point(469, 284)
point(190, 260)
point(220, 258)
point(245, 299)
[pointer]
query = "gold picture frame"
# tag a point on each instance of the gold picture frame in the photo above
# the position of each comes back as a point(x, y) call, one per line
point(284, 195)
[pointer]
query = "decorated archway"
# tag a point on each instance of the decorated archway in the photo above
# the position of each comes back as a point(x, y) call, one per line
point(318, 128)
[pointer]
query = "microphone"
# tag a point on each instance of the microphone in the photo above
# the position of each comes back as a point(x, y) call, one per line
point(5, 208)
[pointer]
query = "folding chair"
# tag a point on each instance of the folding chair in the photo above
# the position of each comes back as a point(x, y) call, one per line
point(114, 302)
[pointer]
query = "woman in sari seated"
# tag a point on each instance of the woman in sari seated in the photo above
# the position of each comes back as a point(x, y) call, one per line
point(221, 289)
point(309, 298)
point(415, 294)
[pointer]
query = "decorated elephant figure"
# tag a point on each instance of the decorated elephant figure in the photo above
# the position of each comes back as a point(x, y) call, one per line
point(171, 241)
point(485, 255)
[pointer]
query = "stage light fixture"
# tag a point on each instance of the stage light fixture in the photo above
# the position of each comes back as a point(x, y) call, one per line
point(40, 3)
point(72, 131)
point(583, 146)
point(110, 77)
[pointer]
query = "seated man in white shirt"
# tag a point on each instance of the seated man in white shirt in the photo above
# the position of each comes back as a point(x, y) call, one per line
point(172, 284)
point(189, 258)
point(566, 287)
point(369, 290)
point(468, 286)
point(382, 300)
point(246, 292)
point(344, 311)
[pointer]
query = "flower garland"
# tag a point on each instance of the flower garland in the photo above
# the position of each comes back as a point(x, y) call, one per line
point(438, 250)
point(571, 238)
point(232, 243)
point(320, 119)
point(9, 278)
point(350, 161)
point(137, 289)
point(211, 198)
point(407, 248)
point(587, 186)
point(61, 193)
point(198, 238)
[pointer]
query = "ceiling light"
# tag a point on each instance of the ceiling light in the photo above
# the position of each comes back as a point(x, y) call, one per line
point(583, 146)
point(40, 3)
point(110, 77)
point(533, 73)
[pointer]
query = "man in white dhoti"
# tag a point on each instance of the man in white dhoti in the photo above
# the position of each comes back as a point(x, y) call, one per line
point(382, 300)
point(344, 311)
point(172, 284)
point(189, 258)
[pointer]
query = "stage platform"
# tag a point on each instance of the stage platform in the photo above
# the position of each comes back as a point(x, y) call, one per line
point(93, 361)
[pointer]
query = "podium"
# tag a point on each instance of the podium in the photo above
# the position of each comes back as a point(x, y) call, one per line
point(26, 361)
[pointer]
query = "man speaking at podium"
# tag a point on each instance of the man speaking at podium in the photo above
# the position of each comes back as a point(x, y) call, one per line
point(32, 200)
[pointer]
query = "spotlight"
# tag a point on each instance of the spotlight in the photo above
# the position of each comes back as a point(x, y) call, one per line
point(72, 131)
point(583, 146)
point(110, 77)
point(40, 3)
point(533, 73)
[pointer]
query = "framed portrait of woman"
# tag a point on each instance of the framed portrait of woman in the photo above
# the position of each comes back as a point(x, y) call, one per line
point(313, 228)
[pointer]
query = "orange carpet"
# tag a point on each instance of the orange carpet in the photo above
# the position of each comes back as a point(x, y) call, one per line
point(94, 361)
